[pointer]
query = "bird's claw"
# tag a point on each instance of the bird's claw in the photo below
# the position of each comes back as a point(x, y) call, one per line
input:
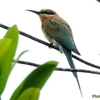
point(50, 45)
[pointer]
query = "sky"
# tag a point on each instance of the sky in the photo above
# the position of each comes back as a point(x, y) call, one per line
point(83, 17)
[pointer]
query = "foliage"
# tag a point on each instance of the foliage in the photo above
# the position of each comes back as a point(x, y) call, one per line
point(8, 47)
point(30, 88)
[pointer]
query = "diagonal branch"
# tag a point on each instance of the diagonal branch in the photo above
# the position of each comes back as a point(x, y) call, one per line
point(98, 0)
point(52, 46)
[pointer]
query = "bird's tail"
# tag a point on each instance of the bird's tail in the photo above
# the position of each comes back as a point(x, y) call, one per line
point(71, 63)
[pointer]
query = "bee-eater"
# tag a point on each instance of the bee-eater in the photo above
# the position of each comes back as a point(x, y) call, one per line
point(58, 32)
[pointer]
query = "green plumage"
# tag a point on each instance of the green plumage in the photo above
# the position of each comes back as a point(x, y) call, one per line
point(58, 30)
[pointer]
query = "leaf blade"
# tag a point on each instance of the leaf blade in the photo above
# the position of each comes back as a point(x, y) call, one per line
point(36, 78)
point(30, 94)
point(12, 34)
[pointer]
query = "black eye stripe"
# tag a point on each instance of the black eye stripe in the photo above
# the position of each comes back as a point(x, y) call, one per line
point(47, 12)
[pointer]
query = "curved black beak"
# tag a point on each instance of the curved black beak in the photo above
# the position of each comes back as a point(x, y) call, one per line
point(36, 12)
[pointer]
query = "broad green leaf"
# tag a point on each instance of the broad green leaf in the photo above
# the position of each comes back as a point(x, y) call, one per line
point(36, 78)
point(6, 59)
point(30, 94)
point(12, 34)
point(4, 48)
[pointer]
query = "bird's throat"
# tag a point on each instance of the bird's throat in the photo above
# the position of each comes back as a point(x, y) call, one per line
point(45, 18)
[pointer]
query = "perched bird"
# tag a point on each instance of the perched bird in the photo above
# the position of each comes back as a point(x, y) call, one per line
point(58, 32)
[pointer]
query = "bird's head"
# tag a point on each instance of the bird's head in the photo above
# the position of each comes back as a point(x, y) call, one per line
point(44, 14)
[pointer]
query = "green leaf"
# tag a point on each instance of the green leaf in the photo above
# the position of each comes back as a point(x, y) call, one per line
point(36, 78)
point(7, 52)
point(15, 61)
point(30, 94)
point(4, 48)
point(12, 34)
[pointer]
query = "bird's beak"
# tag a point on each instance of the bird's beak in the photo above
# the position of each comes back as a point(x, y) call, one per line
point(36, 12)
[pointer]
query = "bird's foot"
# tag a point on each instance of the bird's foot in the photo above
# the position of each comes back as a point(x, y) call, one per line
point(50, 45)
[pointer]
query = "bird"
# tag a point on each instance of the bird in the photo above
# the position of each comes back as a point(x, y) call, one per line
point(58, 32)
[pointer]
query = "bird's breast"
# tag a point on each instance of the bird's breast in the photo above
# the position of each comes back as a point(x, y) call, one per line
point(49, 29)
point(47, 36)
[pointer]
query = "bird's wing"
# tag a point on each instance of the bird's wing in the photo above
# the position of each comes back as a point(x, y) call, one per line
point(61, 32)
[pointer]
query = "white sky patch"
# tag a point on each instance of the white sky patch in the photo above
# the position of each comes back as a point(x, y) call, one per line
point(83, 17)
